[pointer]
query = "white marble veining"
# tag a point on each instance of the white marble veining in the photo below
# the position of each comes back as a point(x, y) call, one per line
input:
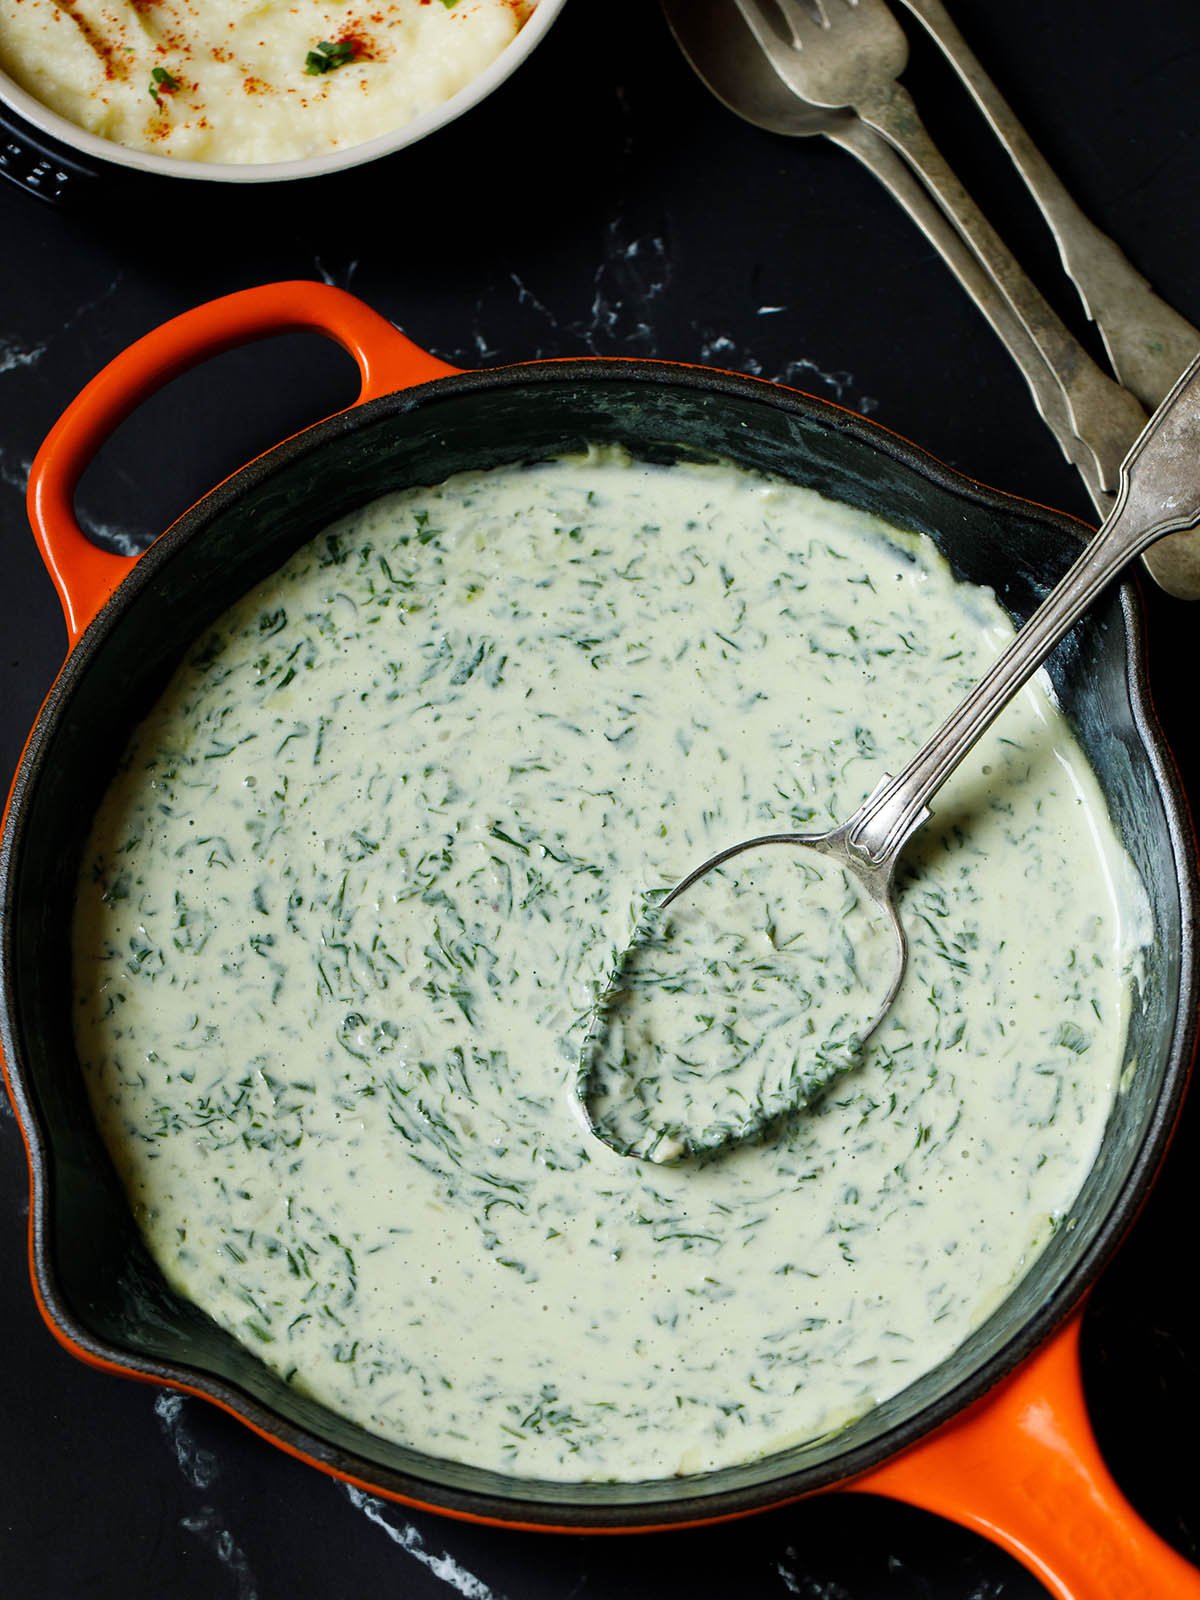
point(409, 1538)
point(14, 355)
point(207, 1525)
point(200, 1467)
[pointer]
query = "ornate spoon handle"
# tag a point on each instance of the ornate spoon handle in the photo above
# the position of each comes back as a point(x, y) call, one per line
point(1104, 415)
point(1045, 385)
point(1147, 341)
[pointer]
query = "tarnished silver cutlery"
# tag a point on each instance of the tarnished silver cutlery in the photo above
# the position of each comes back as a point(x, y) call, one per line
point(801, 67)
point(1147, 341)
point(729, 60)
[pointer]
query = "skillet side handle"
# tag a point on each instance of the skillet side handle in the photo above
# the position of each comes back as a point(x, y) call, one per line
point(1023, 1468)
point(85, 575)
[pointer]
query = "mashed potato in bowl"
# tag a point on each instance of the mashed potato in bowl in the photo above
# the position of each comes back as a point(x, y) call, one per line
point(230, 82)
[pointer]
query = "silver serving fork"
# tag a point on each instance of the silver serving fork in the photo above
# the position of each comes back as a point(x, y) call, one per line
point(847, 54)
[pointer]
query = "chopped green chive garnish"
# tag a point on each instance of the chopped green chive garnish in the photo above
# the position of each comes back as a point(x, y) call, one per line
point(329, 55)
point(161, 82)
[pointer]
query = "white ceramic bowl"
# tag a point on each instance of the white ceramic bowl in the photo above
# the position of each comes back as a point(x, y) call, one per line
point(92, 146)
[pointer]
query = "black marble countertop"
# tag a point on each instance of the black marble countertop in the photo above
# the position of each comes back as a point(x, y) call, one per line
point(599, 203)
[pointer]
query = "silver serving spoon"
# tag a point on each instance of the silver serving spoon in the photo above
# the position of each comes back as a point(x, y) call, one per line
point(713, 1026)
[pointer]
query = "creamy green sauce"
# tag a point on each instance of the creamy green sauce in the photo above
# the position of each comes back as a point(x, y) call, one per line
point(349, 903)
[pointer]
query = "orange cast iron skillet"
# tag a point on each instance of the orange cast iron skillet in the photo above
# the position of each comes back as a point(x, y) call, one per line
point(997, 1438)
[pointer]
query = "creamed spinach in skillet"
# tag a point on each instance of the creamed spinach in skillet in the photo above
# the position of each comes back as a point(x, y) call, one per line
point(351, 897)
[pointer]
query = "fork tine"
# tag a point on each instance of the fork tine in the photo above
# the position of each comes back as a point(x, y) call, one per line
point(779, 27)
point(766, 29)
point(807, 12)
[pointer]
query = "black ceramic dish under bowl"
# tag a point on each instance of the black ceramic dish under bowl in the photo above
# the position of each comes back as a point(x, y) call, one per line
point(40, 165)
point(100, 1292)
